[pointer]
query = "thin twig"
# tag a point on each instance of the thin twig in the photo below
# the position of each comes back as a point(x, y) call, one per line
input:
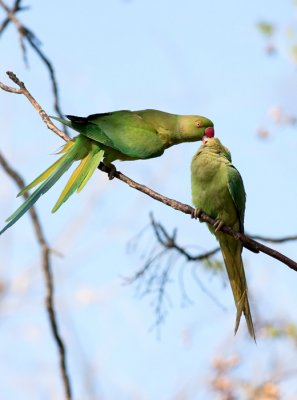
point(206, 291)
point(11, 14)
point(169, 242)
point(247, 242)
point(150, 272)
point(25, 33)
point(51, 72)
point(274, 240)
point(47, 270)
point(23, 90)
point(16, 8)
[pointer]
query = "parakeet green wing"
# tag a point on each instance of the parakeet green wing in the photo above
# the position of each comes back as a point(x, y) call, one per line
point(235, 185)
point(126, 132)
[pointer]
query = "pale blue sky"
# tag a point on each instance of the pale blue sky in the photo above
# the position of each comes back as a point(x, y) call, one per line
point(190, 57)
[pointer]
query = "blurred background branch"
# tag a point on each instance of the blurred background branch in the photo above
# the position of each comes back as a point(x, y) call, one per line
point(48, 277)
point(26, 35)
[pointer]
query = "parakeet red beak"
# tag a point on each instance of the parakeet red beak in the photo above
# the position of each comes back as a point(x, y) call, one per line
point(209, 132)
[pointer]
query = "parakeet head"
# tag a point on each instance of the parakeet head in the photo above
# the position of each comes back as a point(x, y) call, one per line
point(194, 127)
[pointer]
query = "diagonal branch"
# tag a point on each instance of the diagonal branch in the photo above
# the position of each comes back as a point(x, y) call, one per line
point(168, 241)
point(27, 34)
point(16, 8)
point(247, 242)
point(47, 270)
point(11, 15)
point(23, 90)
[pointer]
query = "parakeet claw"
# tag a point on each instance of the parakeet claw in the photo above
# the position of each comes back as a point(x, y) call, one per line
point(196, 213)
point(218, 225)
point(112, 171)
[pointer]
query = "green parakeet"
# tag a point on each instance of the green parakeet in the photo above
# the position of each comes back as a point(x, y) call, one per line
point(119, 135)
point(217, 189)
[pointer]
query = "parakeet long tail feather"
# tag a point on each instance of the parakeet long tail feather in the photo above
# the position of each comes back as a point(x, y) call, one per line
point(81, 148)
point(231, 251)
point(71, 185)
point(90, 168)
point(43, 188)
point(80, 176)
point(48, 172)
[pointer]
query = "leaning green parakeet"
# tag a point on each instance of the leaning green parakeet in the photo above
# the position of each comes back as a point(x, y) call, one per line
point(217, 189)
point(119, 135)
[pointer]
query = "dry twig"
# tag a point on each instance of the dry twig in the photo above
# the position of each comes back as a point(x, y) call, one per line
point(283, 239)
point(247, 242)
point(23, 90)
point(16, 8)
point(169, 242)
point(27, 34)
point(155, 274)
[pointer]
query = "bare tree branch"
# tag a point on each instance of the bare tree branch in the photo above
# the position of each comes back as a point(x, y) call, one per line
point(169, 242)
point(152, 279)
point(149, 280)
point(16, 8)
point(10, 15)
point(47, 271)
point(274, 240)
point(27, 34)
point(23, 90)
point(247, 242)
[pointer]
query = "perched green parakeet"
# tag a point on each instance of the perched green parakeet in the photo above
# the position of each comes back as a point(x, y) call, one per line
point(119, 135)
point(217, 189)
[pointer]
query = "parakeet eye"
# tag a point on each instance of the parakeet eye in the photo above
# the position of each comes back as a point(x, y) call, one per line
point(198, 123)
